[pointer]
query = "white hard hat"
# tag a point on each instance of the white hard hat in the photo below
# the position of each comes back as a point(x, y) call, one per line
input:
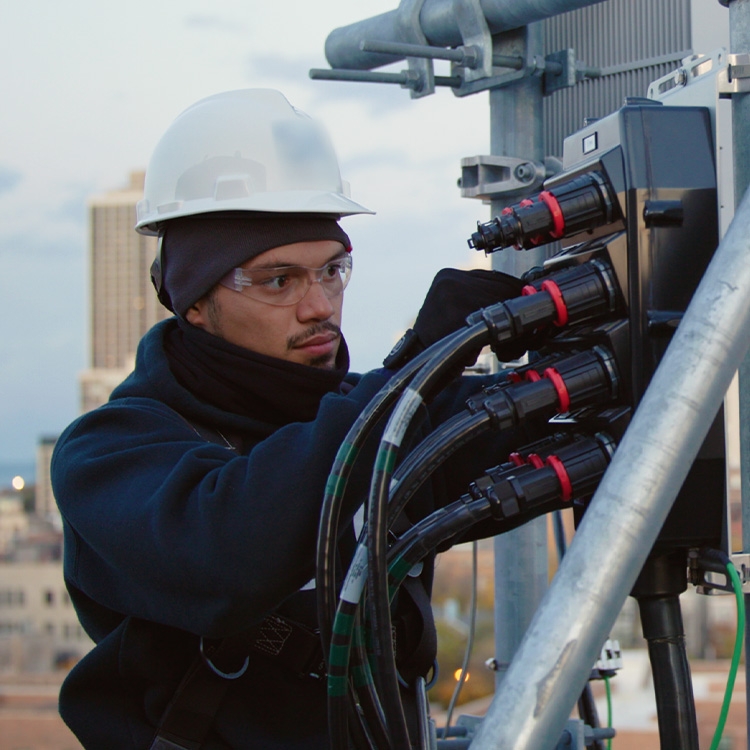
point(245, 150)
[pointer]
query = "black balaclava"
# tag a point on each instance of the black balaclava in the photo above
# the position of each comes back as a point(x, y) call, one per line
point(196, 252)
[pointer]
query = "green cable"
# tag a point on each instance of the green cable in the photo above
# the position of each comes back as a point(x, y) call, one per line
point(608, 689)
point(737, 586)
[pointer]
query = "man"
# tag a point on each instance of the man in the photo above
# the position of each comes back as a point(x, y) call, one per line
point(191, 499)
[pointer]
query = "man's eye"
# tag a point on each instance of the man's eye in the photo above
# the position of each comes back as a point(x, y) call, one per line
point(334, 269)
point(276, 283)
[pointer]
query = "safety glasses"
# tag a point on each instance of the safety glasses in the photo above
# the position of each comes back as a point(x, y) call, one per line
point(287, 285)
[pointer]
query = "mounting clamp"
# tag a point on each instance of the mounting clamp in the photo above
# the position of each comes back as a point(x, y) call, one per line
point(491, 177)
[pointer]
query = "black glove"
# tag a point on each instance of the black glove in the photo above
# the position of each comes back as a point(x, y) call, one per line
point(451, 298)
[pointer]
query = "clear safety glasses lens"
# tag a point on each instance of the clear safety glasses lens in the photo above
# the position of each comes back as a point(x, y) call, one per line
point(287, 285)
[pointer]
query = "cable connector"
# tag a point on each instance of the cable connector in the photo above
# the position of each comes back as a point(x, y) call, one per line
point(571, 472)
point(610, 659)
point(576, 205)
point(570, 296)
point(584, 379)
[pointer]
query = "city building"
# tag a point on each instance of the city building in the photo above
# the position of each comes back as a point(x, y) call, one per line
point(44, 501)
point(123, 306)
point(14, 522)
point(123, 303)
point(39, 630)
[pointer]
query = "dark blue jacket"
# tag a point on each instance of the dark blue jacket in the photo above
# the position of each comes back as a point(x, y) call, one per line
point(170, 536)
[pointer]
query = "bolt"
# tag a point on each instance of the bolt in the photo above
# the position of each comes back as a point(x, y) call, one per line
point(525, 172)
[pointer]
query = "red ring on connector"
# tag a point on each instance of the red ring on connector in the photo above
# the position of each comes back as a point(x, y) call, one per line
point(558, 219)
point(566, 488)
point(554, 292)
point(535, 460)
point(533, 376)
point(514, 377)
point(517, 459)
point(507, 210)
point(525, 203)
point(562, 392)
point(528, 289)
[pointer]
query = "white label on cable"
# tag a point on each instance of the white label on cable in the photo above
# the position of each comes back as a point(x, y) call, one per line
point(410, 401)
point(359, 521)
point(357, 577)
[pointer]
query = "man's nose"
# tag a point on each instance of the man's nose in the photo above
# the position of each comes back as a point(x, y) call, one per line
point(315, 303)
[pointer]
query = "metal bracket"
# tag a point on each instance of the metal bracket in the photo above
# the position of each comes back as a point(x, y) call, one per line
point(741, 561)
point(578, 736)
point(710, 576)
point(475, 34)
point(567, 74)
point(695, 69)
point(410, 30)
point(509, 50)
point(735, 77)
point(490, 177)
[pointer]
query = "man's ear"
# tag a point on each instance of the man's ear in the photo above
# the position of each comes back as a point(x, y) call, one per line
point(197, 315)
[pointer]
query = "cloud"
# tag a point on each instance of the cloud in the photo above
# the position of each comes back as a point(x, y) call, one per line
point(206, 22)
point(378, 100)
point(283, 69)
point(72, 207)
point(43, 286)
point(31, 248)
point(9, 178)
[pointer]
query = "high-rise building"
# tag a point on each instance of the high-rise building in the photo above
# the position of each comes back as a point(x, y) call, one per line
point(44, 500)
point(122, 307)
point(123, 303)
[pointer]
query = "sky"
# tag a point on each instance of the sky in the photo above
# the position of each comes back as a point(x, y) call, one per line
point(87, 89)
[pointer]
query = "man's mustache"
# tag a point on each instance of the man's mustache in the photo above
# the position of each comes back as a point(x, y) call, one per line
point(314, 330)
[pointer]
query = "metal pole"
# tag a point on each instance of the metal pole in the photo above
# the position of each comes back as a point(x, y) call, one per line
point(516, 129)
point(552, 666)
point(739, 41)
point(437, 19)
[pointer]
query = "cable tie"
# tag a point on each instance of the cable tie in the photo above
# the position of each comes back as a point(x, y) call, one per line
point(489, 321)
point(562, 392)
point(535, 460)
point(554, 292)
point(557, 215)
point(566, 488)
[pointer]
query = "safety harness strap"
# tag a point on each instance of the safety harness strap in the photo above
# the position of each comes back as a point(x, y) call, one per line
point(185, 723)
point(188, 717)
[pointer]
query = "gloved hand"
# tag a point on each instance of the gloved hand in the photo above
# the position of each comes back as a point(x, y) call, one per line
point(451, 298)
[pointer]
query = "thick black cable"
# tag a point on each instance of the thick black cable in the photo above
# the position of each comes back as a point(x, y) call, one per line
point(545, 394)
point(430, 454)
point(500, 324)
point(657, 591)
point(326, 589)
point(332, 501)
point(363, 692)
point(428, 378)
point(675, 706)
point(499, 409)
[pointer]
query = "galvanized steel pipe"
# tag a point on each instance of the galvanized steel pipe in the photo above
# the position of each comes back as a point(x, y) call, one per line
point(437, 19)
point(562, 643)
